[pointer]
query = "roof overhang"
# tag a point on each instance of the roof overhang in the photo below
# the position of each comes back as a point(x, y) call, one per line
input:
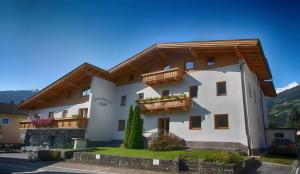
point(69, 80)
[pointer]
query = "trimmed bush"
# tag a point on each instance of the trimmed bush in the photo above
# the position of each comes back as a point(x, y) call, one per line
point(136, 139)
point(128, 127)
point(223, 157)
point(165, 142)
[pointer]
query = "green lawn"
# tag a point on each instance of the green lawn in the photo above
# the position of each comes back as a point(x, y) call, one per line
point(286, 160)
point(206, 155)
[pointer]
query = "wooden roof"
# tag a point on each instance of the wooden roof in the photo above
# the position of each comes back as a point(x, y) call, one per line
point(250, 50)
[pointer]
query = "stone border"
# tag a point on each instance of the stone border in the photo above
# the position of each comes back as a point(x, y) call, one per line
point(177, 165)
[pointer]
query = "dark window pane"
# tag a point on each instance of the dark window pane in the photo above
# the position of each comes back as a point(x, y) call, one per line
point(51, 115)
point(121, 126)
point(189, 65)
point(210, 61)
point(141, 95)
point(165, 93)
point(221, 88)
point(193, 91)
point(167, 67)
point(195, 122)
point(279, 135)
point(123, 100)
point(221, 121)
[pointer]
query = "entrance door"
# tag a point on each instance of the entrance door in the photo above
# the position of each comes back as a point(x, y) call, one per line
point(163, 125)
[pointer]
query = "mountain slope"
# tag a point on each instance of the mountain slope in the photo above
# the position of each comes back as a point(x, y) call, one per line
point(280, 106)
point(289, 86)
point(16, 96)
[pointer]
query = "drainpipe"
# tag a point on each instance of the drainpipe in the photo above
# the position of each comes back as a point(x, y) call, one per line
point(245, 108)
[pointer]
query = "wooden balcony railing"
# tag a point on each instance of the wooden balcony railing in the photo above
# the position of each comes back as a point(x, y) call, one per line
point(164, 76)
point(58, 123)
point(166, 105)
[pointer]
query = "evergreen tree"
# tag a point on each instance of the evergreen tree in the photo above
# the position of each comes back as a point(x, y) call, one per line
point(128, 127)
point(136, 139)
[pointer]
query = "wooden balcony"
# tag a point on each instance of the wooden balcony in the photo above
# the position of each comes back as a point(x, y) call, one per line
point(165, 105)
point(164, 76)
point(63, 123)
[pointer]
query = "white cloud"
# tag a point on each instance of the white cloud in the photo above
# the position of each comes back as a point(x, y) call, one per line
point(289, 86)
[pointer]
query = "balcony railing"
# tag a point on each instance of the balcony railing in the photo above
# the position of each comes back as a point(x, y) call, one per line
point(165, 105)
point(164, 76)
point(57, 123)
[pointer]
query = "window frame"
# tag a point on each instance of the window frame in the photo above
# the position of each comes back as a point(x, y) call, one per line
point(85, 92)
point(80, 111)
point(141, 95)
point(166, 67)
point(51, 114)
point(217, 83)
point(37, 115)
point(190, 61)
point(123, 100)
point(119, 125)
point(190, 91)
point(190, 122)
point(219, 127)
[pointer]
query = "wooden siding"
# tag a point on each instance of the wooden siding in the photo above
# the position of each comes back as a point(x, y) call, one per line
point(64, 123)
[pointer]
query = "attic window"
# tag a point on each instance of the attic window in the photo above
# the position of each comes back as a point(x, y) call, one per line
point(167, 67)
point(189, 65)
point(86, 91)
point(210, 61)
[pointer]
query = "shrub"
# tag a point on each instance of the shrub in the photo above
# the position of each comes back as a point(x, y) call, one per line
point(136, 139)
point(165, 142)
point(49, 155)
point(128, 127)
point(223, 157)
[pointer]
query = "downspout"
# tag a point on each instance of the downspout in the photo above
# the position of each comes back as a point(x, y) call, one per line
point(245, 108)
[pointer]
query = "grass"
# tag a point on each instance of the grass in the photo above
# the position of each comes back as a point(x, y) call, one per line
point(278, 159)
point(206, 155)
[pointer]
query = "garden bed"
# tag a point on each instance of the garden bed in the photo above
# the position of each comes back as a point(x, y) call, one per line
point(206, 161)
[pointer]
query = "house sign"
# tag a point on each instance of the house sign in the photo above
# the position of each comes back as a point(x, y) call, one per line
point(103, 101)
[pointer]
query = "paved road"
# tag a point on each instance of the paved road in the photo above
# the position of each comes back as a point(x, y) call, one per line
point(17, 163)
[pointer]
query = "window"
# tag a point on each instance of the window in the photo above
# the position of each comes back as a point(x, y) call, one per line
point(51, 115)
point(37, 115)
point(249, 88)
point(83, 112)
point(165, 93)
point(5, 121)
point(86, 91)
point(221, 88)
point(121, 126)
point(195, 122)
point(141, 96)
point(64, 113)
point(221, 121)
point(210, 61)
point(167, 67)
point(189, 65)
point(279, 135)
point(193, 91)
point(123, 100)
point(131, 77)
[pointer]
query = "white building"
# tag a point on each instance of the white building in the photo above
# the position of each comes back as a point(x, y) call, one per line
point(222, 87)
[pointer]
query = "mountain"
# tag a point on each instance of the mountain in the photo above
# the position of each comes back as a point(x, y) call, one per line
point(280, 106)
point(289, 86)
point(16, 96)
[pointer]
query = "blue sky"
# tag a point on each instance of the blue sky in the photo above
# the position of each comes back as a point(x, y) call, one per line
point(41, 40)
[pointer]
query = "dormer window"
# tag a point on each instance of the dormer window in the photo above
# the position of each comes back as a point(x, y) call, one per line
point(210, 61)
point(167, 67)
point(189, 65)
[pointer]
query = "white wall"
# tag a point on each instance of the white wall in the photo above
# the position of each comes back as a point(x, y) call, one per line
point(103, 103)
point(255, 111)
point(72, 109)
point(206, 104)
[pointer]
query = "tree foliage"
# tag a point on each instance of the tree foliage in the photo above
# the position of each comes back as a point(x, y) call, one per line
point(128, 126)
point(136, 139)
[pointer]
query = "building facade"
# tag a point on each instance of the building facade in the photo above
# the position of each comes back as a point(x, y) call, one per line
point(211, 94)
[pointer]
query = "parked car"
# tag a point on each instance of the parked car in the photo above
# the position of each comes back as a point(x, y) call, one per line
point(283, 146)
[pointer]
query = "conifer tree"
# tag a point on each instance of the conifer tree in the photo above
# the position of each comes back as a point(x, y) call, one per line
point(136, 140)
point(128, 127)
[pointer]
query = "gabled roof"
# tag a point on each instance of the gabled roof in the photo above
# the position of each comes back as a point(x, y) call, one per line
point(11, 109)
point(248, 49)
